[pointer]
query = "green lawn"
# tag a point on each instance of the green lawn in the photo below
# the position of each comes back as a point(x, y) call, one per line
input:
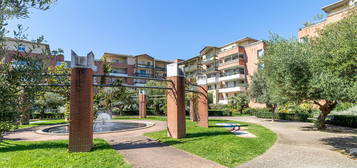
point(218, 144)
point(47, 122)
point(54, 154)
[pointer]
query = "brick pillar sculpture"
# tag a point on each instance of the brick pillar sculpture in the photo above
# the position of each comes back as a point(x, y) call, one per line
point(81, 111)
point(203, 106)
point(176, 121)
point(142, 105)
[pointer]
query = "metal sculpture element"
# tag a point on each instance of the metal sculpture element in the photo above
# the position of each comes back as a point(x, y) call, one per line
point(82, 61)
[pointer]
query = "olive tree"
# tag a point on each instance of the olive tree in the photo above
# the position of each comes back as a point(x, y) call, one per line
point(262, 92)
point(238, 102)
point(9, 78)
point(157, 100)
point(322, 70)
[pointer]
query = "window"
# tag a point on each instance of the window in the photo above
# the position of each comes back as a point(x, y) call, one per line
point(260, 53)
point(21, 48)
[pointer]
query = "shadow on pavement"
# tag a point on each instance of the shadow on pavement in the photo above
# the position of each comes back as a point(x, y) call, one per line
point(341, 143)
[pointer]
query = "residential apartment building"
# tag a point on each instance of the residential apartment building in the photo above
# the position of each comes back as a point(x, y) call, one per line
point(136, 65)
point(335, 12)
point(31, 49)
point(192, 67)
point(226, 69)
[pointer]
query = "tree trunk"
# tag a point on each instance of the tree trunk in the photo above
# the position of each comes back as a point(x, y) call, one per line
point(325, 109)
point(42, 114)
point(25, 110)
point(193, 111)
point(157, 109)
point(273, 108)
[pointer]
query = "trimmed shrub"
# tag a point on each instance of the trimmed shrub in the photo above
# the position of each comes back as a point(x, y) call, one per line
point(294, 117)
point(6, 127)
point(263, 114)
point(344, 120)
point(219, 113)
point(343, 106)
point(50, 115)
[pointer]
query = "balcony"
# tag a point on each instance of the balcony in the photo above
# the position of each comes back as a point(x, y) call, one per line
point(231, 77)
point(231, 89)
point(191, 68)
point(223, 101)
point(144, 66)
point(229, 62)
point(118, 74)
point(210, 70)
point(160, 68)
point(208, 60)
point(212, 80)
point(148, 75)
point(140, 82)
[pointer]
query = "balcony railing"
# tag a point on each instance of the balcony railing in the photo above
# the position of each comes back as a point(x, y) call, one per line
point(160, 68)
point(214, 69)
point(144, 66)
point(118, 74)
point(231, 77)
point(206, 60)
point(191, 68)
point(144, 75)
point(227, 89)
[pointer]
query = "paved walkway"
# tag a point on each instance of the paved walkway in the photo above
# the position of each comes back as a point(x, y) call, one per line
point(138, 150)
point(299, 147)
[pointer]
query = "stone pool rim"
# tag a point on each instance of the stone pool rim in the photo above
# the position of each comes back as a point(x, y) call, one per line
point(148, 125)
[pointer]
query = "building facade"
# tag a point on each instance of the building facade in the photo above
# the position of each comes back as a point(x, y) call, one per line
point(136, 65)
point(335, 12)
point(42, 51)
point(226, 69)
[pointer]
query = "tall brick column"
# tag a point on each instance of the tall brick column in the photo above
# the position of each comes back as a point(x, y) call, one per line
point(203, 106)
point(142, 105)
point(176, 121)
point(81, 114)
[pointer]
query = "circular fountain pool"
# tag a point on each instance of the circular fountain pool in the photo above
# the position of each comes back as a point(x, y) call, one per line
point(99, 127)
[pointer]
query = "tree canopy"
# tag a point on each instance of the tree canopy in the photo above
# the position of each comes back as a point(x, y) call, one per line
point(323, 69)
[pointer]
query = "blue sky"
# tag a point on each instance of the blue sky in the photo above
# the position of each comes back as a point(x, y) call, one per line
point(164, 29)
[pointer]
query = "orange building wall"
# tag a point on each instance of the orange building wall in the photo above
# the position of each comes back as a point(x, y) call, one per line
point(251, 52)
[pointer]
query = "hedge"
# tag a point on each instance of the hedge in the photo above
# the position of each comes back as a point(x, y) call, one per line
point(219, 113)
point(284, 116)
point(49, 115)
point(344, 120)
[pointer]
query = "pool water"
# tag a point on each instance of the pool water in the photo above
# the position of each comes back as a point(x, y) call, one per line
point(99, 127)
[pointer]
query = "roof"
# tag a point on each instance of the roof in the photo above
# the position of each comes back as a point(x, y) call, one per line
point(193, 58)
point(234, 42)
point(167, 61)
point(145, 55)
point(119, 55)
point(207, 48)
point(240, 41)
point(254, 43)
point(25, 41)
point(334, 5)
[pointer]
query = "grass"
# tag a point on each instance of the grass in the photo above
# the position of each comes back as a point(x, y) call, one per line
point(218, 144)
point(54, 154)
point(47, 122)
